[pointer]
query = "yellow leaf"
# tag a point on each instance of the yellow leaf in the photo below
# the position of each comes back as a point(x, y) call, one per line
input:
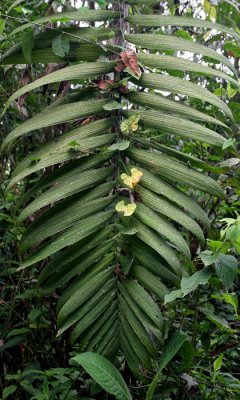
point(132, 180)
point(134, 126)
point(207, 35)
point(136, 175)
point(212, 14)
point(134, 122)
point(127, 210)
point(207, 6)
point(127, 180)
point(130, 125)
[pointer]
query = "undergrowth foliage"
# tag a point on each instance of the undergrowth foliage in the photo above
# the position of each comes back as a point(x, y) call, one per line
point(109, 216)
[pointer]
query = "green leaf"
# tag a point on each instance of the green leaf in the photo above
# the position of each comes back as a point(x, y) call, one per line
point(135, 343)
point(73, 144)
point(83, 14)
point(69, 256)
point(152, 261)
point(61, 276)
point(69, 184)
point(158, 102)
point(69, 236)
point(165, 62)
point(106, 342)
point(208, 258)
point(232, 48)
point(179, 155)
point(227, 269)
point(170, 349)
point(27, 45)
point(98, 330)
point(83, 289)
point(12, 342)
point(55, 155)
point(230, 163)
point(215, 319)
point(102, 4)
point(232, 230)
point(113, 105)
point(93, 310)
point(82, 71)
point(149, 281)
point(136, 326)
point(49, 180)
point(173, 43)
point(186, 352)
point(231, 298)
point(53, 116)
point(162, 226)
point(165, 207)
point(56, 151)
point(228, 143)
point(7, 391)
point(161, 187)
point(174, 170)
point(155, 241)
point(144, 301)
point(61, 45)
point(180, 86)
point(34, 314)
point(160, 20)
point(220, 92)
point(78, 52)
point(199, 278)
point(172, 6)
point(189, 284)
point(226, 266)
point(104, 373)
point(231, 92)
point(173, 295)
point(2, 26)
point(61, 218)
point(13, 5)
point(218, 363)
point(207, 6)
point(147, 326)
point(175, 125)
point(232, 3)
point(18, 331)
point(183, 34)
point(119, 146)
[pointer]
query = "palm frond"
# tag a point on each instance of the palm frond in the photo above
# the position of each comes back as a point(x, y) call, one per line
point(112, 270)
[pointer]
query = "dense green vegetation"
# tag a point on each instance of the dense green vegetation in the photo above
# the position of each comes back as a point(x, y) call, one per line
point(119, 218)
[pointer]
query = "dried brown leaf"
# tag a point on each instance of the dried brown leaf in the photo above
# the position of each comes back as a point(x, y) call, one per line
point(129, 58)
